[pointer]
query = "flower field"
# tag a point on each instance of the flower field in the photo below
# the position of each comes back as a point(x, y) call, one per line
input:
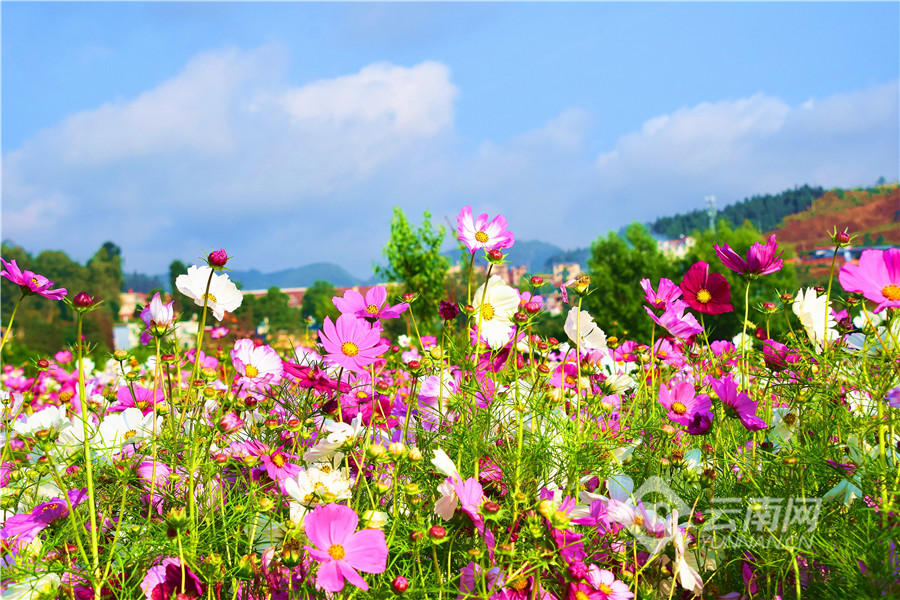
point(479, 460)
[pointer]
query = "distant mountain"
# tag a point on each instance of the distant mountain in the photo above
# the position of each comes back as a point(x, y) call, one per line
point(297, 277)
point(537, 256)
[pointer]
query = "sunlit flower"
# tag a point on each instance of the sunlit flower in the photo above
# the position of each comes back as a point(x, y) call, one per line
point(165, 581)
point(351, 343)
point(580, 328)
point(681, 325)
point(479, 234)
point(877, 277)
point(311, 486)
point(737, 404)
point(813, 310)
point(660, 299)
point(29, 282)
point(706, 291)
point(682, 402)
point(222, 296)
point(760, 260)
point(341, 550)
point(257, 365)
point(373, 306)
point(495, 303)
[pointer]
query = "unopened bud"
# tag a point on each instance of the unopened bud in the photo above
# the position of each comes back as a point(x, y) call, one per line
point(400, 584)
point(83, 300)
point(495, 256)
point(218, 258)
point(537, 280)
point(437, 532)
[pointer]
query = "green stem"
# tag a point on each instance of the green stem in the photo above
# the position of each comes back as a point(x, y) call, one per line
point(745, 351)
point(88, 463)
point(9, 325)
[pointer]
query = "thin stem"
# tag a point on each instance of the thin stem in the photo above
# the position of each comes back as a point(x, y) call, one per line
point(9, 325)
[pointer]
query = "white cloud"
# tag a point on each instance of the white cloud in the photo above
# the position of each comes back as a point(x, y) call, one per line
point(229, 152)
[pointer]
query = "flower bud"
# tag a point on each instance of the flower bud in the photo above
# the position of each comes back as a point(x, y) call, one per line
point(769, 306)
point(217, 258)
point(415, 454)
point(545, 508)
point(495, 256)
point(537, 280)
point(491, 508)
point(292, 553)
point(787, 298)
point(842, 238)
point(520, 318)
point(246, 566)
point(43, 364)
point(409, 297)
point(400, 584)
point(177, 518)
point(532, 308)
point(448, 311)
point(437, 532)
point(83, 300)
point(396, 449)
point(375, 451)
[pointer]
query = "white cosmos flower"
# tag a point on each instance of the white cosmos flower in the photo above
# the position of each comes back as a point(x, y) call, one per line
point(311, 485)
point(52, 419)
point(445, 506)
point(811, 309)
point(444, 463)
point(106, 439)
point(589, 335)
point(845, 492)
point(495, 303)
point(223, 294)
point(338, 434)
point(41, 586)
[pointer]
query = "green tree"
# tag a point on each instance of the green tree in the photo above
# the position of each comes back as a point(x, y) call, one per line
point(276, 306)
point(415, 260)
point(183, 306)
point(317, 302)
point(616, 267)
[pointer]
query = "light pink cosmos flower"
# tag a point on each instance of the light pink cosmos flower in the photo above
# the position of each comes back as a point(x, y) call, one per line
point(373, 306)
point(877, 277)
point(341, 549)
point(29, 282)
point(257, 365)
point(760, 260)
point(157, 318)
point(218, 332)
point(351, 343)
point(479, 234)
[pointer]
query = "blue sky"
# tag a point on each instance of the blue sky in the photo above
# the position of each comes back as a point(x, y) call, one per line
point(285, 132)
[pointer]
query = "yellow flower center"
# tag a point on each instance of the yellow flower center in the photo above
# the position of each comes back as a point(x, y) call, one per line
point(481, 236)
point(891, 291)
point(278, 460)
point(371, 309)
point(703, 296)
point(337, 552)
point(129, 434)
point(570, 379)
point(519, 584)
point(579, 595)
point(638, 520)
point(251, 371)
point(361, 395)
point(35, 282)
point(209, 297)
point(66, 396)
point(487, 312)
point(678, 408)
point(349, 349)
point(604, 589)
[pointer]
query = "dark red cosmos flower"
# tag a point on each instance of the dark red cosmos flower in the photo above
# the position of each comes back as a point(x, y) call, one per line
point(706, 291)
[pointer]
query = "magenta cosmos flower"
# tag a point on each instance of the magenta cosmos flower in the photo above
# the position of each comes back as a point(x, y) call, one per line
point(351, 343)
point(373, 306)
point(737, 405)
point(877, 277)
point(29, 282)
point(682, 402)
point(479, 234)
point(341, 549)
point(706, 291)
point(665, 294)
point(760, 260)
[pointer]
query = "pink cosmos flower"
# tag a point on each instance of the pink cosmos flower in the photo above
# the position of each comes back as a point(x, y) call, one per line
point(676, 322)
point(341, 549)
point(257, 365)
point(760, 260)
point(164, 581)
point(737, 405)
point(877, 277)
point(157, 318)
point(29, 282)
point(604, 585)
point(682, 402)
point(351, 343)
point(479, 234)
point(706, 291)
point(668, 291)
point(218, 332)
point(373, 306)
